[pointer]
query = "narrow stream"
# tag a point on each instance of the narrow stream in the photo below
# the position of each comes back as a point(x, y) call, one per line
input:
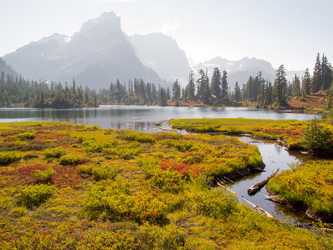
point(274, 156)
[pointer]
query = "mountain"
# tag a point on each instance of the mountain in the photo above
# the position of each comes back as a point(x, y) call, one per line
point(238, 71)
point(163, 55)
point(96, 55)
point(6, 69)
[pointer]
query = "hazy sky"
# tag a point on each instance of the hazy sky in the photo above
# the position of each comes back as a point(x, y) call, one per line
point(289, 32)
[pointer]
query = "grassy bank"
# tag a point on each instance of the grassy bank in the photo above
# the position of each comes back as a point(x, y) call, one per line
point(81, 187)
point(308, 186)
point(288, 131)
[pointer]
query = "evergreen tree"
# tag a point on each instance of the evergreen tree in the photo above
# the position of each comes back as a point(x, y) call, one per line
point(296, 87)
point(306, 83)
point(317, 73)
point(224, 89)
point(191, 87)
point(204, 93)
point(326, 74)
point(216, 85)
point(176, 90)
point(162, 97)
point(238, 95)
point(269, 94)
point(280, 87)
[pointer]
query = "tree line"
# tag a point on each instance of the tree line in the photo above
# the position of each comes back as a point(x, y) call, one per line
point(17, 91)
point(257, 90)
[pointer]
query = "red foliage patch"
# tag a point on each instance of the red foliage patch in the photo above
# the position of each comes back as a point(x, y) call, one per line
point(65, 176)
point(175, 166)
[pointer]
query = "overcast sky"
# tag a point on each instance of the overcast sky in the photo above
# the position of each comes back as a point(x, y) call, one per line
point(289, 32)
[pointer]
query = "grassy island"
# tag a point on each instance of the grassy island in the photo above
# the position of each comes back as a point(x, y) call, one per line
point(290, 132)
point(69, 186)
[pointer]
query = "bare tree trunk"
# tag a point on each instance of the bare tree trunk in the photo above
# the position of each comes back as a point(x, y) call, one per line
point(258, 186)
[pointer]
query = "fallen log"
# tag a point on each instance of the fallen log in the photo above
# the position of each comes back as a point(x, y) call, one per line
point(258, 186)
point(261, 210)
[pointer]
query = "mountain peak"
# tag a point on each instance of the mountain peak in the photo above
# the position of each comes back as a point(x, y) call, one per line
point(56, 37)
point(107, 18)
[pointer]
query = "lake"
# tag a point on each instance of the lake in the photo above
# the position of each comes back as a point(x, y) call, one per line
point(141, 118)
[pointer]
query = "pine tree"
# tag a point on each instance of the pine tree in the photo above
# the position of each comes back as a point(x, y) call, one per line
point(317, 73)
point(216, 85)
point(176, 90)
point(191, 87)
point(296, 87)
point(238, 95)
point(326, 74)
point(224, 89)
point(204, 93)
point(280, 87)
point(306, 83)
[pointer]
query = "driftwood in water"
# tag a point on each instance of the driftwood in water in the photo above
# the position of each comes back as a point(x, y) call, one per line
point(258, 186)
point(261, 210)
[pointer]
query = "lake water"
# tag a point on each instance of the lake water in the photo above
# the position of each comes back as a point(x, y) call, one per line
point(141, 118)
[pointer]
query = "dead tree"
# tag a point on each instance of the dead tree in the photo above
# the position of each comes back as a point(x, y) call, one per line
point(258, 186)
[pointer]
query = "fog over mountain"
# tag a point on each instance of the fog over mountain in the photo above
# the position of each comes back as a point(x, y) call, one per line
point(96, 55)
point(100, 52)
point(162, 54)
point(6, 69)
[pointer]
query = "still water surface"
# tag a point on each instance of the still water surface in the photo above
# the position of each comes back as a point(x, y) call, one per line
point(141, 118)
point(274, 156)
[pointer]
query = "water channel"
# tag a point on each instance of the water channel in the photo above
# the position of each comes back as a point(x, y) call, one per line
point(274, 156)
point(144, 118)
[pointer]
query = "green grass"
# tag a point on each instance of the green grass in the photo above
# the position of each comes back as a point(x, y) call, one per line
point(310, 184)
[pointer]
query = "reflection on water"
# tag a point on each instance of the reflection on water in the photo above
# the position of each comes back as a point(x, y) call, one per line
point(274, 156)
point(140, 118)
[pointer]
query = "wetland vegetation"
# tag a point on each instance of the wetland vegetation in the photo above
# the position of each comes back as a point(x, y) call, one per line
point(69, 186)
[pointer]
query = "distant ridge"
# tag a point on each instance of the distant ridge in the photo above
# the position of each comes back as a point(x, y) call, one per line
point(238, 71)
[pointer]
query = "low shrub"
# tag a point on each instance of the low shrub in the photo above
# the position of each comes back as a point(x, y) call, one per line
point(30, 156)
point(168, 181)
point(126, 152)
point(86, 170)
point(317, 139)
point(34, 195)
point(20, 144)
point(72, 159)
point(54, 152)
point(149, 166)
point(113, 201)
point(91, 146)
point(138, 136)
point(45, 175)
point(217, 203)
point(104, 172)
point(9, 157)
point(26, 135)
point(167, 237)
